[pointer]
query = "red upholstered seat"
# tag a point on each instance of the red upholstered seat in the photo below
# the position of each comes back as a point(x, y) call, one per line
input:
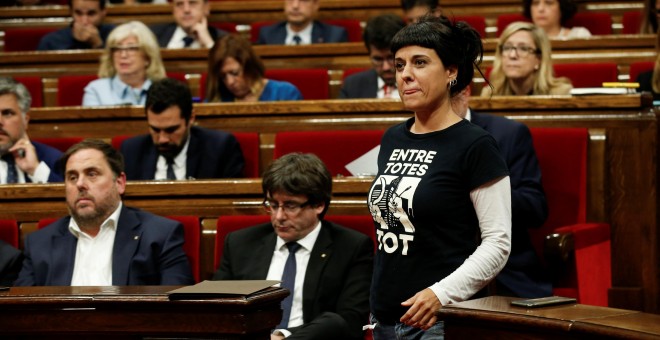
point(588, 74)
point(25, 39)
point(350, 71)
point(227, 224)
point(598, 23)
point(192, 235)
point(478, 22)
point(70, 89)
point(61, 143)
point(352, 26)
point(631, 21)
point(255, 27)
point(9, 232)
point(248, 141)
point(313, 83)
point(335, 148)
point(562, 155)
point(225, 26)
point(640, 67)
point(35, 87)
point(44, 222)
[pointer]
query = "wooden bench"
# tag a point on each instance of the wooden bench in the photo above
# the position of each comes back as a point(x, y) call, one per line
point(622, 192)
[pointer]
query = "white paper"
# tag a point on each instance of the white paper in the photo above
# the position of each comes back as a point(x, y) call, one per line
point(365, 165)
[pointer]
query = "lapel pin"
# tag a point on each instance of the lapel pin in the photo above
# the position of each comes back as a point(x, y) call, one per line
point(322, 255)
point(136, 237)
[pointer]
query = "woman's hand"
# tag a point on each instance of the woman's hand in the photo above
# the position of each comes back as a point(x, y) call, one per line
point(423, 309)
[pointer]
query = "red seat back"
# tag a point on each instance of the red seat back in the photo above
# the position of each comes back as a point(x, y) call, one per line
point(25, 39)
point(326, 145)
point(35, 87)
point(598, 23)
point(352, 26)
point(229, 27)
point(62, 144)
point(631, 21)
point(9, 232)
point(588, 74)
point(255, 27)
point(192, 239)
point(640, 67)
point(313, 83)
point(503, 20)
point(71, 89)
point(350, 71)
point(44, 222)
point(478, 22)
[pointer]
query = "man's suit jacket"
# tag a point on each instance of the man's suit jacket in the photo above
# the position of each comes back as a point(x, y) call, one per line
point(321, 33)
point(211, 154)
point(164, 33)
point(11, 260)
point(148, 250)
point(336, 288)
point(51, 157)
point(523, 274)
point(360, 85)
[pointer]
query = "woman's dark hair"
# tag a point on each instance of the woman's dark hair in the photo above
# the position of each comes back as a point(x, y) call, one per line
point(567, 8)
point(456, 43)
point(234, 46)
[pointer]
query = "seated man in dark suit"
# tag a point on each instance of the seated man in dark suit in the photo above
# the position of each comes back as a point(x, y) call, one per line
point(523, 275)
point(11, 260)
point(85, 32)
point(300, 28)
point(380, 81)
point(190, 27)
point(332, 265)
point(103, 242)
point(175, 149)
point(22, 160)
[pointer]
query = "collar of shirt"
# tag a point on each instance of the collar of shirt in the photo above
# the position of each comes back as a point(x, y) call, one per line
point(3, 173)
point(468, 115)
point(179, 164)
point(127, 94)
point(305, 35)
point(177, 40)
point(110, 222)
point(394, 94)
point(306, 242)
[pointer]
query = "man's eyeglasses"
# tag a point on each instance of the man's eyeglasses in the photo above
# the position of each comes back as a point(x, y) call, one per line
point(127, 49)
point(379, 61)
point(289, 208)
point(521, 51)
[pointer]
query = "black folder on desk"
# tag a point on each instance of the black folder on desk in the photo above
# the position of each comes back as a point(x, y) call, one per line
point(224, 288)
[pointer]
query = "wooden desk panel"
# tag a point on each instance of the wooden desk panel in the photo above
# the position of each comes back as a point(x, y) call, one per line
point(80, 312)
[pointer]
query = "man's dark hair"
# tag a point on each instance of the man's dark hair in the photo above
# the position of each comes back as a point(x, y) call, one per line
point(112, 155)
point(169, 92)
point(101, 4)
point(380, 30)
point(299, 174)
point(409, 4)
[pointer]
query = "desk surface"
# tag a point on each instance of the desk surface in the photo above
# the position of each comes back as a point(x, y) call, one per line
point(493, 317)
point(136, 310)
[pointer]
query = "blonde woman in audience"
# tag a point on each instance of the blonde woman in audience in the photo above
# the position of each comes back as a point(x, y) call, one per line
point(523, 64)
point(236, 73)
point(552, 15)
point(130, 62)
point(649, 23)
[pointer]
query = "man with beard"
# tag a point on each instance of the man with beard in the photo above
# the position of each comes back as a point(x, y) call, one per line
point(103, 242)
point(326, 267)
point(175, 149)
point(378, 82)
point(87, 30)
point(22, 160)
point(300, 28)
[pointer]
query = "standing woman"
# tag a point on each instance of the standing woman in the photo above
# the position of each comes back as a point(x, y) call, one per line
point(442, 199)
point(130, 62)
point(523, 64)
point(552, 15)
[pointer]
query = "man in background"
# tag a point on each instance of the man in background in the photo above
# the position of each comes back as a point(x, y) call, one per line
point(22, 160)
point(326, 267)
point(300, 28)
point(413, 10)
point(103, 242)
point(175, 149)
point(190, 27)
point(380, 80)
point(87, 30)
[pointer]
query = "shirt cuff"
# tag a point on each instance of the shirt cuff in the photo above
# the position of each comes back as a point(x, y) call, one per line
point(440, 293)
point(283, 332)
point(41, 173)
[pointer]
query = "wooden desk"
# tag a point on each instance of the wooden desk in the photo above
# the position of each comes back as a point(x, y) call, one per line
point(134, 312)
point(494, 318)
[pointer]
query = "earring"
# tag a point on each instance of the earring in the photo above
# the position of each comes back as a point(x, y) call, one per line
point(452, 83)
point(536, 67)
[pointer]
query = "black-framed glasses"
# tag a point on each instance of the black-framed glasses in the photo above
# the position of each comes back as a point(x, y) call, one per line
point(521, 51)
point(128, 49)
point(379, 61)
point(289, 208)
